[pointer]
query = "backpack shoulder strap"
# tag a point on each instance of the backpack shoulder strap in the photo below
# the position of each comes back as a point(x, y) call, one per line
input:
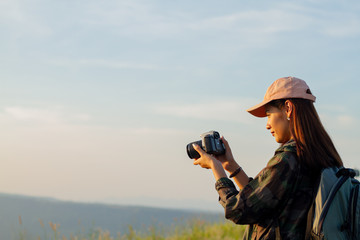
point(353, 217)
point(309, 222)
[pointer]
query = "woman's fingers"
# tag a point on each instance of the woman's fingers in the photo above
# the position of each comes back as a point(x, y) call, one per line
point(225, 142)
point(196, 161)
point(227, 147)
point(198, 149)
point(200, 162)
point(203, 159)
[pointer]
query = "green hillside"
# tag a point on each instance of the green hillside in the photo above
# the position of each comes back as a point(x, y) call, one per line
point(41, 218)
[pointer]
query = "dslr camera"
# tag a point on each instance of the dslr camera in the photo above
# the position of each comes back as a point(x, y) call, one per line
point(210, 142)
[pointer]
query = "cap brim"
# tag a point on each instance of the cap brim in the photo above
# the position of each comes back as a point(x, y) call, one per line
point(259, 109)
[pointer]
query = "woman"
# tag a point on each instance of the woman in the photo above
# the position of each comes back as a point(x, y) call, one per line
point(275, 203)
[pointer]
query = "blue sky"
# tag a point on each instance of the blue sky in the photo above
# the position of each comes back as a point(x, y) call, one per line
point(99, 99)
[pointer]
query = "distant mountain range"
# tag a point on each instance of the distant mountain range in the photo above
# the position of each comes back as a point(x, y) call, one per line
point(32, 215)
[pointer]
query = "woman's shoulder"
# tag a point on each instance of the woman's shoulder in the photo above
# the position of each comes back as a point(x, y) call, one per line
point(285, 156)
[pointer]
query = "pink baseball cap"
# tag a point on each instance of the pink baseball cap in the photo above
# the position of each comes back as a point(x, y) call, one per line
point(283, 88)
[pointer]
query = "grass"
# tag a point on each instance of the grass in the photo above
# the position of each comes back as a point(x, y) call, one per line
point(192, 230)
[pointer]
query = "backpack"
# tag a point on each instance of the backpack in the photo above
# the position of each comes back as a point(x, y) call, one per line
point(335, 211)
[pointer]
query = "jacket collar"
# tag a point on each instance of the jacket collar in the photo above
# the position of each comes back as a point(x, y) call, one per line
point(290, 146)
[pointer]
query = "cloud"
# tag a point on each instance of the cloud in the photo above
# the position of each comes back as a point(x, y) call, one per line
point(346, 120)
point(269, 21)
point(59, 119)
point(337, 116)
point(37, 115)
point(103, 63)
point(141, 19)
point(28, 114)
point(155, 131)
point(222, 110)
point(350, 26)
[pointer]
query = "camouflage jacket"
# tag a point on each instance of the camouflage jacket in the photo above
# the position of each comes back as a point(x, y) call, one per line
point(278, 198)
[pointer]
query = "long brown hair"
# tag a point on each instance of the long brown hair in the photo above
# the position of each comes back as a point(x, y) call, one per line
point(314, 146)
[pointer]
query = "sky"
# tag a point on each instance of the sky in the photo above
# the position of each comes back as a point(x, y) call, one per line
point(98, 99)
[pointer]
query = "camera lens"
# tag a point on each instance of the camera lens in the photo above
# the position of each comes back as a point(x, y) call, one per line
point(192, 153)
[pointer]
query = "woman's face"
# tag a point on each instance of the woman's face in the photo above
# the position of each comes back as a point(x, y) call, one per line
point(278, 124)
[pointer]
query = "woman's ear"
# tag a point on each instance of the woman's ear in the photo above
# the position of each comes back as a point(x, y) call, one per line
point(289, 107)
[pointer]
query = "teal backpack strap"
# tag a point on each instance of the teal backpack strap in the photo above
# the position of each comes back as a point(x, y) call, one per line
point(353, 206)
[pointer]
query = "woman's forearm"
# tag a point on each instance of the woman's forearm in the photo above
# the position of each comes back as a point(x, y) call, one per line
point(241, 179)
point(218, 170)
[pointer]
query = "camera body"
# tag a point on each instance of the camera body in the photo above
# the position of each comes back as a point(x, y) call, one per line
point(210, 142)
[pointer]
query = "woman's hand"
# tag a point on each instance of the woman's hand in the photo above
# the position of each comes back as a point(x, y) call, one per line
point(221, 162)
point(227, 160)
point(206, 160)
point(209, 161)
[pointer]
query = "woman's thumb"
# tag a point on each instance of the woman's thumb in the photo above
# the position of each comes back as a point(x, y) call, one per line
point(198, 148)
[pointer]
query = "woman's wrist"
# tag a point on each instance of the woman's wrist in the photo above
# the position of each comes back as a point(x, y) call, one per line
point(231, 167)
point(236, 172)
